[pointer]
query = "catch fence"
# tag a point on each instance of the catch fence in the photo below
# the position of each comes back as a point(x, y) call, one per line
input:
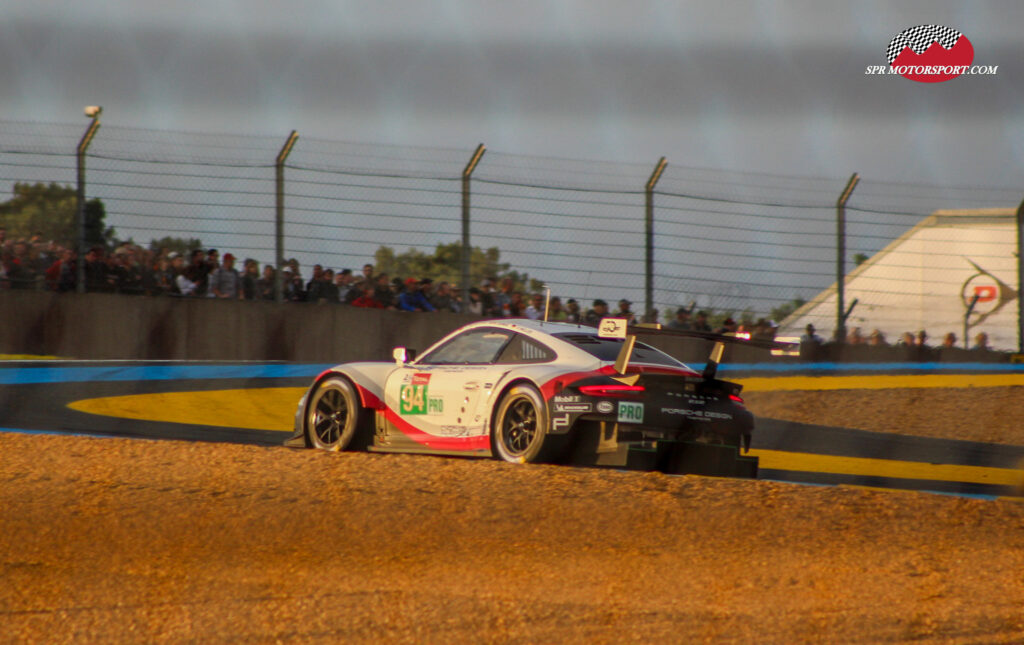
point(734, 242)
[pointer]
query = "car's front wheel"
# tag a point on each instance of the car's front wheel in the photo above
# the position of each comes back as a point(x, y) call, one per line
point(520, 430)
point(333, 414)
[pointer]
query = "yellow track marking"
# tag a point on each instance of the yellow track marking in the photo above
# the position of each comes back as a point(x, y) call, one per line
point(273, 409)
point(254, 409)
point(863, 467)
point(878, 382)
point(27, 357)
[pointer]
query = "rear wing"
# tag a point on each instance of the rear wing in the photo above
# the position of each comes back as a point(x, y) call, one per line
point(619, 328)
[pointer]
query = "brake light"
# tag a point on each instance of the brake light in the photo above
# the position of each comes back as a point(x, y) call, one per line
point(736, 399)
point(610, 390)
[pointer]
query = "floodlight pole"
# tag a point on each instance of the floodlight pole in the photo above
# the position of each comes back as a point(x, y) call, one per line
point(649, 240)
point(840, 332)
point(83, 145)
point(967, 318)
point(467, 173)
point(279, 213)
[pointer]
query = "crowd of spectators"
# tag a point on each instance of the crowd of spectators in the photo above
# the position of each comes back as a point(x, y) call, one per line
point(910, 346)
point(134, 270)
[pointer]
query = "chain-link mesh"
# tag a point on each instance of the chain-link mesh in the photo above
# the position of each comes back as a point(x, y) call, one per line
point(215, 188)
point(576, 226)
point(729, 241)
point(37, 153)
point(345, 200)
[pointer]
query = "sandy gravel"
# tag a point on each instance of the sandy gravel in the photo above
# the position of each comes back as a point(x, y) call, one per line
point(108, 540)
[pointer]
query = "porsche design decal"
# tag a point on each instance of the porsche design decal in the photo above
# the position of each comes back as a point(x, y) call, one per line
point(699, 415)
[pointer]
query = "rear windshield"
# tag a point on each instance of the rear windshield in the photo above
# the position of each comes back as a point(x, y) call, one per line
point(607, 349)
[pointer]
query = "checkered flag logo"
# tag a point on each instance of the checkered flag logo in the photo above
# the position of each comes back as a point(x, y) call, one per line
point(920, 38)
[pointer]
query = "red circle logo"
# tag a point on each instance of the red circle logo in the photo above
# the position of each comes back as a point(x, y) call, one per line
point(930, 53)
point(986, 289)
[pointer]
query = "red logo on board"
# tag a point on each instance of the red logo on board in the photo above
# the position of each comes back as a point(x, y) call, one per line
point(986, 293)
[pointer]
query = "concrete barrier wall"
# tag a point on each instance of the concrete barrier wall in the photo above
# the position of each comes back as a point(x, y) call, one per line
point(109, 326)
point(106, 326)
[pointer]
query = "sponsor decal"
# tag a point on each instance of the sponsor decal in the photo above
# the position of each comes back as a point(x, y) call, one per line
point(612, 328)
point(983, 294)
point(567, 398)
point(694, 399)
point(454, 431)
point(605, 407)
point(630, 412)
point(699, 415)
point(560, 422)
point(573, 407)
point(930, 54)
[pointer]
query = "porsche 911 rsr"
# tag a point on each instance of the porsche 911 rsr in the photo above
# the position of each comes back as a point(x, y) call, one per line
point(531, 391)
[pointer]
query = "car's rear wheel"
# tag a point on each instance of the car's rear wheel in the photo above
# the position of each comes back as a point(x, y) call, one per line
point(333, 414)
point(520, 429)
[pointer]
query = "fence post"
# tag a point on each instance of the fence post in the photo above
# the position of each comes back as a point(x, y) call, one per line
point(279, 213)
point(840, 332)
point(83, 145)
point(466, 249)
point(1020, 277)
point(649, 315)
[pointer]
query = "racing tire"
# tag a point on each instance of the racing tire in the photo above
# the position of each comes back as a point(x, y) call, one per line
point(333, 417)
point(520, 430)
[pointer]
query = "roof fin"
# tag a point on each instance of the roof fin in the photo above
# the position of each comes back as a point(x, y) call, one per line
point(716, 357)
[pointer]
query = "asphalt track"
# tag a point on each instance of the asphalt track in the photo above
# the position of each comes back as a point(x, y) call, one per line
point(253, 403)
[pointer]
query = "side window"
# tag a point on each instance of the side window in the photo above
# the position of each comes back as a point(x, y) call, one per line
point(524, 350)
point(475, 347)
point(607, 349)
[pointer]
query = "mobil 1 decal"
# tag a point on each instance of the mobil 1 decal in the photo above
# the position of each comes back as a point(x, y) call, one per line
point(415, 397)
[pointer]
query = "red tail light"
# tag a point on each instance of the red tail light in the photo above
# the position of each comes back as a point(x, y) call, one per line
point(735, 399)
point(611, 390)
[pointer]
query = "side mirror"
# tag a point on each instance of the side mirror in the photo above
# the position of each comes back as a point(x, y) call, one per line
point(403, 355)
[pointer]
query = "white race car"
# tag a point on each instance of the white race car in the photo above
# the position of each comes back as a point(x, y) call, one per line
point(531, 391)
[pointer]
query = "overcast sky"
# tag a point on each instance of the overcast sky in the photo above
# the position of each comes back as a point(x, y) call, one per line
point(769, 86)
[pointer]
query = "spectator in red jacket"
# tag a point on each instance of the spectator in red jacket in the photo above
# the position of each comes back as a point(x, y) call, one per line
point(368, 299)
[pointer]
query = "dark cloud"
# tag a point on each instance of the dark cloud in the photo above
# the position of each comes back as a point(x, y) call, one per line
point(149, 72)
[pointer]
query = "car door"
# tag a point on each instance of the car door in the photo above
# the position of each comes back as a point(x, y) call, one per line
point(434, 403)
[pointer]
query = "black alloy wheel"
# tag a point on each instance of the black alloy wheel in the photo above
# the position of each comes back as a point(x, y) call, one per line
point(332, 414)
